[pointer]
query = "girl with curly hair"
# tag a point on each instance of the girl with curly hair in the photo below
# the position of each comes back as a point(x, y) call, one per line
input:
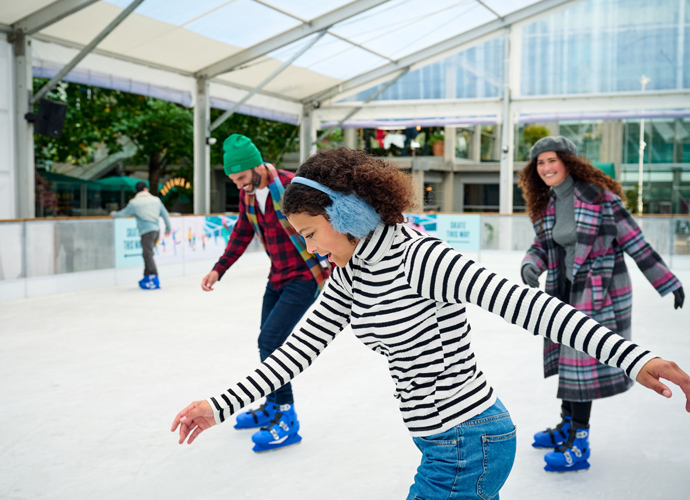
point(404, 295)
point(582, 230)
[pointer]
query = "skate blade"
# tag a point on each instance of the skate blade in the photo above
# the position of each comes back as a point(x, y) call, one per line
point(242, 427)
point(544, 447)
point(584, 465)
point(252, 426)
point(294, 439)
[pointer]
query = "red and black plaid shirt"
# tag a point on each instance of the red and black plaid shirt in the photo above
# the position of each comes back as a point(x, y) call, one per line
point(286, 263)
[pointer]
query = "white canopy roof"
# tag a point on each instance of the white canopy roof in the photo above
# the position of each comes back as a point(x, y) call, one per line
point(164, 45)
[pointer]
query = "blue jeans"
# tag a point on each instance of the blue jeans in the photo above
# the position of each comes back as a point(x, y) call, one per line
point(471, 460)
point(282, 309)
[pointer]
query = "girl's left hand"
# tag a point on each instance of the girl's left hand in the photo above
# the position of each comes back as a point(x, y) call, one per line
point(678, 298)
point(194, 419)
point(658, 368)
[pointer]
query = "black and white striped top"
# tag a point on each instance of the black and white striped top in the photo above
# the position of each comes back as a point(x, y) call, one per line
point(404, 294)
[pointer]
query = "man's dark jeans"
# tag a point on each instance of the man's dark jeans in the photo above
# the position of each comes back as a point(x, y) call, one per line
point(148, 241)
point(282, 310)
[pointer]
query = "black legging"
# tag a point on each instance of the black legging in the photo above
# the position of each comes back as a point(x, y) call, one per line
point(580, 411)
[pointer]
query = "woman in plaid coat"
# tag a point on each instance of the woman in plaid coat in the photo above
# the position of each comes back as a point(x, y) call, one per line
point(582, 230)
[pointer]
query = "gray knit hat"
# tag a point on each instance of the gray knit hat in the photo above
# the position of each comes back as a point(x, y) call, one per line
point(558, 144)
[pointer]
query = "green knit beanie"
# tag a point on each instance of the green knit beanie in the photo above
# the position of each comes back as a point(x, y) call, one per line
point(239, 154)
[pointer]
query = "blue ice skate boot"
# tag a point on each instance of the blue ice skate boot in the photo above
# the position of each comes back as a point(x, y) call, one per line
point(573, 454)
point(256, 418)
point(552, 438)
point(281, 431)
point(150, 282)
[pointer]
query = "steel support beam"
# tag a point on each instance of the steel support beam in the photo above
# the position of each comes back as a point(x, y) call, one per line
point(506, 173)
point(446, 47)
point(85, 51)
point(50, 14)
point(307, 134)
point(24, 130)
point(320, 23)
point(202, 150)
point(411, 109)
point(256, 90)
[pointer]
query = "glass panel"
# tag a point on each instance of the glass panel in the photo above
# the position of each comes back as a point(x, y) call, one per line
point(11, 251)
point(176, 12)
point(490, 142)
point(85, 245)
point(503, 7)
point(412, 141)
point(308, 9)
point(464, 139)
point(69, 246)
point(586, 135)
point(616, 41)
point(331, 56)
point(475, 72)
point(399, 28)
point(242, 23)
point(518, 228)
point(41, 240)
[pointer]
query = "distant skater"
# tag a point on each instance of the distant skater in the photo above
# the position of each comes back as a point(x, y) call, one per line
point(146, 209)
point(582, 230)
point(404, 295)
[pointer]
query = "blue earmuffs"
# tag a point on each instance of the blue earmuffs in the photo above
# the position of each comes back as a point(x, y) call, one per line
point(348, 213)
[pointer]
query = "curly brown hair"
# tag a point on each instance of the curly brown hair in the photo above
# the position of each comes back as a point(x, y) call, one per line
point(536, 192)
point(386, 188)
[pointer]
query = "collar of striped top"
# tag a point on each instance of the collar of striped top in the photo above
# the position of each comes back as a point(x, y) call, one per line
point(374, 248)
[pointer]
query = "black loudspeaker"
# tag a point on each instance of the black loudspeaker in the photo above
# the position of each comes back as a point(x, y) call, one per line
point(50, 118)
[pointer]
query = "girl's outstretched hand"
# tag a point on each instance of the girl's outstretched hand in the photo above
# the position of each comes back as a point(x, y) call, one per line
point(194, 419)
point(657, 369)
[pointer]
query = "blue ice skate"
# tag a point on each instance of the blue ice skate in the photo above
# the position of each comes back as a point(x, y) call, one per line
point(150, 282)
point(144, 282)
point(281, 431)
point(553, 438)
point(572, 455)
point(256, 418)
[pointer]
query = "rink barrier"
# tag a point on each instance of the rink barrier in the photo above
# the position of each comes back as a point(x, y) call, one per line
point(41, 256)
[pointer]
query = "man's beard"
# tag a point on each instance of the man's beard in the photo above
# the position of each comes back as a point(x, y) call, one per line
point(251, 187)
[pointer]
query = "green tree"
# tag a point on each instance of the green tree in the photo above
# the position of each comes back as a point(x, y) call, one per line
point(273, 139)
point(162, 131)
point(631, 197)
point(530, 135)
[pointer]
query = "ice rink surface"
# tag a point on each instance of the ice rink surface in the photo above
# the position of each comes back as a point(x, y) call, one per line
point(92, 380)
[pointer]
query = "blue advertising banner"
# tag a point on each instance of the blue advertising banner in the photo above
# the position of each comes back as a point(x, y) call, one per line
point(462, 232)
point(190, 238)
point(424, 223)
point(127, 243)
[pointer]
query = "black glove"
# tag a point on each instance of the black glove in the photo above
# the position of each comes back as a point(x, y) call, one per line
point(679, 296)
point(530, 275)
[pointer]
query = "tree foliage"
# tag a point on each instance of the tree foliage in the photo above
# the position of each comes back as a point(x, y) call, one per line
point(162, 131)
point(273, 139)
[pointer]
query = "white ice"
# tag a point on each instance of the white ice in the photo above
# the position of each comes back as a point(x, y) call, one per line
point(92, 380)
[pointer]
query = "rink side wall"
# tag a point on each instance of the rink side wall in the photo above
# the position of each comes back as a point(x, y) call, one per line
point(45, 256)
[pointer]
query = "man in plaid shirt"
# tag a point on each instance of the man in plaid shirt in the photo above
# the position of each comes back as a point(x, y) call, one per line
point(292, 283)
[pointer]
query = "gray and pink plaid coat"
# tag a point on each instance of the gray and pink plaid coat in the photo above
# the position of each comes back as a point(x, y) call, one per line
point(601, 285)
